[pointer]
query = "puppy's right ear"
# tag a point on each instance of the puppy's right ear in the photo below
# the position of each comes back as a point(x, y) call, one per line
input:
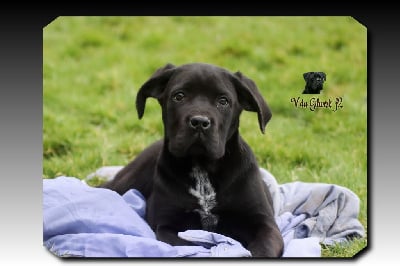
point(154, 87)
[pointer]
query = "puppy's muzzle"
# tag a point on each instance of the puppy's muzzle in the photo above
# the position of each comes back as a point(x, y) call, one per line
point(199, 123)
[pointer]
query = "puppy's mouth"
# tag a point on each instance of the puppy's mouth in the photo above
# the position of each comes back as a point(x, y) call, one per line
point(197, 145)
point(197, 149)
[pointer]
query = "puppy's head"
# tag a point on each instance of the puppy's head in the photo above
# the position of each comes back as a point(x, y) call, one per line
point(314, 81)
point(201, 105)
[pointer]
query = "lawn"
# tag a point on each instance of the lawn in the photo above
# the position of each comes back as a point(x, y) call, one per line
point(93, 67)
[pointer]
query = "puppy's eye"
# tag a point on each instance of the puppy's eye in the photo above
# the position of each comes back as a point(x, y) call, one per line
point(177, 97)
point(223, 101)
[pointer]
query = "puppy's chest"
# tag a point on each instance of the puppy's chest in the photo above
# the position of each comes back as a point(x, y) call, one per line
point(206, 197)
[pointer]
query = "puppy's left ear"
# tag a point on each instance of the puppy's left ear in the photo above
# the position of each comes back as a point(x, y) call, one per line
point(306, 75)
point(251, 99)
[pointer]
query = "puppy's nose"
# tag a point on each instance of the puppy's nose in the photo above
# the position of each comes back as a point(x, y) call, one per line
point(199, 122)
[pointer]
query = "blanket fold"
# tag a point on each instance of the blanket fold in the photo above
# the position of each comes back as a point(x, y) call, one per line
point(83, 221)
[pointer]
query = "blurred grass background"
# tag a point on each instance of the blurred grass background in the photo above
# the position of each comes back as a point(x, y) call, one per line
point(93, 67)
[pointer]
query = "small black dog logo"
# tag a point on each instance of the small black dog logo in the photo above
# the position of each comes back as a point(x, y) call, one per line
point(314, 82)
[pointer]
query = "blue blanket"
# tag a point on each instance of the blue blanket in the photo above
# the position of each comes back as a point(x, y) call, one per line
point(83, 221)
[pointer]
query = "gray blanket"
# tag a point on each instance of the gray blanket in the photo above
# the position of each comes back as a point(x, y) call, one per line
point(326, 211)
point(307, 214)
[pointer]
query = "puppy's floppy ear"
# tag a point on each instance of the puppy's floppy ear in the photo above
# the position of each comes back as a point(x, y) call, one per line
point(307, 75)
point(251, 99)
point(323, 75)
point(154, 87)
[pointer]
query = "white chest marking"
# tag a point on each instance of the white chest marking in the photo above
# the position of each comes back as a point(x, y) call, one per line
point(206, 198)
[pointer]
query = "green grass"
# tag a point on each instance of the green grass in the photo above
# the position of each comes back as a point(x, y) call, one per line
point(93, 67)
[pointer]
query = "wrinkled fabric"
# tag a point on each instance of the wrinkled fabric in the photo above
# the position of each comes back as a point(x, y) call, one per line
point(326, 211)
point(83, 221)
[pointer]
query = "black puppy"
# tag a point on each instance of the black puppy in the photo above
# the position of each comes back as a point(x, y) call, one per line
point(314, 82)
point(203, 175)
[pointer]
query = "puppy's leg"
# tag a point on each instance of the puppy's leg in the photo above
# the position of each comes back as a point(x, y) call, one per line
point(170, 236)
point(166, 218)
point(268, 242)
